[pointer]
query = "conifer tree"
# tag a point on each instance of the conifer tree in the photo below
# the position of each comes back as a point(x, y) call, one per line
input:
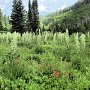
point(14, 16)
point(17, 17)
point(29, 16)
point(35, 16)
point(1, 21)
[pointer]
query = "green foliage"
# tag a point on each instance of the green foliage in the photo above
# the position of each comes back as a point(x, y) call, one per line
point(45, 61)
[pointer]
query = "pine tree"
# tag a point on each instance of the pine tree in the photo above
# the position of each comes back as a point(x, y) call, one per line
point(1, 21)
point(26, 22)
point(29, 16)
point(35, 16)
point(17, 17)
point(14, 16)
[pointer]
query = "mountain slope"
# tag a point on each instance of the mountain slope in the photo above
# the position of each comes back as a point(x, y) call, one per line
point(75, 18)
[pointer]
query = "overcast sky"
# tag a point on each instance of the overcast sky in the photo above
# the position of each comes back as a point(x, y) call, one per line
point(44, 5)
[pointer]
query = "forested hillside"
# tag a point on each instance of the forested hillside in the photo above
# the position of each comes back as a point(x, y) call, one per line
point(75, 18)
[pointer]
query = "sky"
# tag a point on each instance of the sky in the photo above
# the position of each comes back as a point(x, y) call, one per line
point(45, 6)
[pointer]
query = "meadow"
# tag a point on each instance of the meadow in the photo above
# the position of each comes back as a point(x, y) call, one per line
point(46, 61)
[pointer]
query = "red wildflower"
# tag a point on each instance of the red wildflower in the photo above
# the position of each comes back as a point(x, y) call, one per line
point(56, 74)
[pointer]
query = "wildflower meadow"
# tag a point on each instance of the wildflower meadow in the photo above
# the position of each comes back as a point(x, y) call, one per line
point(46, 61)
